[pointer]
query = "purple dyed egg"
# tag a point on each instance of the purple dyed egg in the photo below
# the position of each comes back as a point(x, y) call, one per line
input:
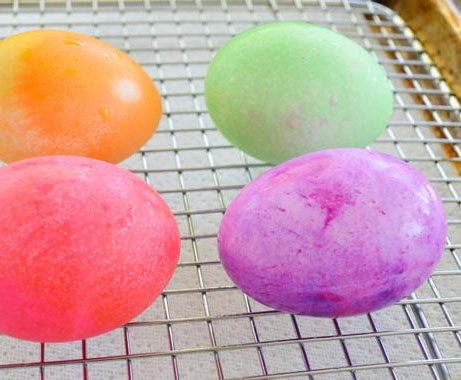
point(333, 233)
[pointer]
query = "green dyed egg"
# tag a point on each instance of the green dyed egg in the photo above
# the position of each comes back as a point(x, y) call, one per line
point(283, 89)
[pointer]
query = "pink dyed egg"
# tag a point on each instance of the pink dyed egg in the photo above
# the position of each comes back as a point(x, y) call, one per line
point(85, 247)
point(333, 233)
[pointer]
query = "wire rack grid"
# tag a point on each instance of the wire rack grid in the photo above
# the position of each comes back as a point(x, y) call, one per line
point(202, 327)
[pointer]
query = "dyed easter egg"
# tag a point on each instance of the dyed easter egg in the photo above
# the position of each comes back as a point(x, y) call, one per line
point(85, 247)
point(333, 233)
point(279, 90)
point(64, 93)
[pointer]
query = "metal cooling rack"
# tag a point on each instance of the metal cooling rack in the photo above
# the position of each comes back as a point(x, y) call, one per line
point(202, 327)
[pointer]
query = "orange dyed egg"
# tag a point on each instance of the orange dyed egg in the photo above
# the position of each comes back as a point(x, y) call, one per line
point(70, 94)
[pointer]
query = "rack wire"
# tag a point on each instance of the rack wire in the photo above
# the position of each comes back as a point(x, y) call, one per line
point(202, 327)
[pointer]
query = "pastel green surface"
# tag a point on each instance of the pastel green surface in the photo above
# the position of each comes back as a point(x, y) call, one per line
point(279, 90)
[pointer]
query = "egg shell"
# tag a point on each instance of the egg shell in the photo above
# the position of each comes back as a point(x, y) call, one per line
point(64, 93)
point(279, 90)
point(333, 233)
point(85, 247)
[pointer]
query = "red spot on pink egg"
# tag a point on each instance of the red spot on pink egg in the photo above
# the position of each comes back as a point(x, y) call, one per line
point(327, 297)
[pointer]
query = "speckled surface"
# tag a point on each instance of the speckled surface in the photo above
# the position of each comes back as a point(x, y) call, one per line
point(85, 247)
point(333, 233)
point(282, 89)
point(64, 93)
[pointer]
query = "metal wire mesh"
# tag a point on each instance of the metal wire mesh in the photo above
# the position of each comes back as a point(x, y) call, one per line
point(202, 327)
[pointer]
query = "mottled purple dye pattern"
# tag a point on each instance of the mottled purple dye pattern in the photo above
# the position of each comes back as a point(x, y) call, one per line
point(333, 233)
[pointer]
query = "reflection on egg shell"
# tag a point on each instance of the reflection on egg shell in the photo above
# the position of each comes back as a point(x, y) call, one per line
point(64, 93)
